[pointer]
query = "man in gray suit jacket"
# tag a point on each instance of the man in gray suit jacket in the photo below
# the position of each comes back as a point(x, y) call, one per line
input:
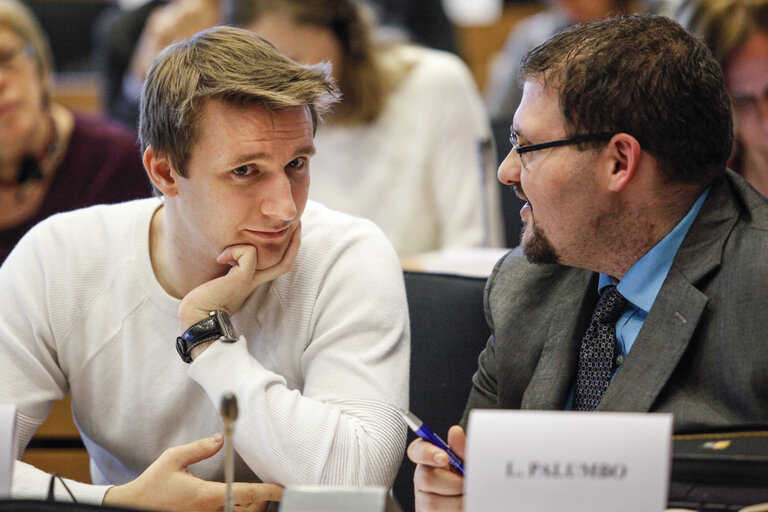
point(619, 148)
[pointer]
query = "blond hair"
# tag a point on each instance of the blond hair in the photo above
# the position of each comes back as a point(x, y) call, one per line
point(723, 24)
point(368, 74)
point(19, 19)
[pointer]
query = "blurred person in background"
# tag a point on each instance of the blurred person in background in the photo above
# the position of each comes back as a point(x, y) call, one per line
point(503, 93)
point(425, 21)
point(129, 36)
point(409, 146)
point(737, 33)
point(52, 159)
point(126, 41)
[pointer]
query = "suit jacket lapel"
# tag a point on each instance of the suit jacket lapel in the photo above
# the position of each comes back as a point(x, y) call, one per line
point(556, 369)
point(675, 314)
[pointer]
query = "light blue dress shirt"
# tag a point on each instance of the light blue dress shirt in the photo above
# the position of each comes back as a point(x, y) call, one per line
point(642, 282)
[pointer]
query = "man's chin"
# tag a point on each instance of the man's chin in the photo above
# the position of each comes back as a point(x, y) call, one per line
point(269, 255)
point(537, 247)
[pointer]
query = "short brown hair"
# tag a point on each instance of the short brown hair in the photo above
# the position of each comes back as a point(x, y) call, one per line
point(17, 17)
point(646, 76)
point(224, 63)
point(364, 82)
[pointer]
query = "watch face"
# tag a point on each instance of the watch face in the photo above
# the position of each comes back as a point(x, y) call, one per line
point(225, 324)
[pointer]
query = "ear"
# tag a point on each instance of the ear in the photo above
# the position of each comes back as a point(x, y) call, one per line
point(160, 172)
point(623, 161)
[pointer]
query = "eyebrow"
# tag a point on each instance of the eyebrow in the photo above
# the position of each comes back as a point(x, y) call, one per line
point(306, 150)
point(303, 151)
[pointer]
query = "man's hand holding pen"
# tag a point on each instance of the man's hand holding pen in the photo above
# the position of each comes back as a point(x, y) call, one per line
point(436, 485)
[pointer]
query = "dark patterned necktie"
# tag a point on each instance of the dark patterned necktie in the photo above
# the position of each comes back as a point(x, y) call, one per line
point(597, 348)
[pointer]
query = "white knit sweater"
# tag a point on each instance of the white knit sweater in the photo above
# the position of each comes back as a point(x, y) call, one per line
point(425, 169)
point(319, 371)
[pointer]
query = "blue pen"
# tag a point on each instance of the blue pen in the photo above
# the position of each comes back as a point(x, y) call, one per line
point(426, 434)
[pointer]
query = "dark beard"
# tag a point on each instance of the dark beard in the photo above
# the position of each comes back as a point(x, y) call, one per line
point(538, 248)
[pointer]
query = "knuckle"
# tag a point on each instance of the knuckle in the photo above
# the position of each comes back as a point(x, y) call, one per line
point(206, 500)
point(433, 501)
point(168, 453)
point(426, 501)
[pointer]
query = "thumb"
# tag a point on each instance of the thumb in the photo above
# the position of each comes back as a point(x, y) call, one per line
point(187, 454)
point(457, 440)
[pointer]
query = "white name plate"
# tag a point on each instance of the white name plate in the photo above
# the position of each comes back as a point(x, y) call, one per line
point(540, 461)
point(7, 448)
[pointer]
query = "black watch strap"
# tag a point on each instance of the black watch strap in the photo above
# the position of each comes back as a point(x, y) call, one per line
point(216, 326)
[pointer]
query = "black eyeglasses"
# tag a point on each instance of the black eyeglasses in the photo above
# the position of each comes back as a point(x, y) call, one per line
point(521, 150)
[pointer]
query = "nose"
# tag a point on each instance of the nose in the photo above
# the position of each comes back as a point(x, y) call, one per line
point(278, 202)
point(509, 170)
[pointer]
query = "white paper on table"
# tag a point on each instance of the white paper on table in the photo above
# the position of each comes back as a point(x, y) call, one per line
point(537, 461)
point(466, 261)
point(7, 448)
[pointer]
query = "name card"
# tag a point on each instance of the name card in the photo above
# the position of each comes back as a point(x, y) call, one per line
point(7, 447)
point(540, 461)
point(317, 498)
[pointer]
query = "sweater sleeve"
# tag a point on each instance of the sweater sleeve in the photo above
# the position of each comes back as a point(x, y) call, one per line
point(343, 426)
point(30, 483)
point(31, 376)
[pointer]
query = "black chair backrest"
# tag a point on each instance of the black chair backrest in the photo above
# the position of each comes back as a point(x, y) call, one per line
point(510, 204)
point(448, 332)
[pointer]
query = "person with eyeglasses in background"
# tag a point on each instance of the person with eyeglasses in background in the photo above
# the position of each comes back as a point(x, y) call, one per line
point(640, 284)
point(51, 158)
point(737, 33)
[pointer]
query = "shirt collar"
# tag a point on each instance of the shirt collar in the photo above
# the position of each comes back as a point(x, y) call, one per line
point(643, 280)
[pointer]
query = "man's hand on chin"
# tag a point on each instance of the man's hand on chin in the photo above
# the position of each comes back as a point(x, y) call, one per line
point(230, 291)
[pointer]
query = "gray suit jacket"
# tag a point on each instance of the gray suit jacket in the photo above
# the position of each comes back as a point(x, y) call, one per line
point(702, 353)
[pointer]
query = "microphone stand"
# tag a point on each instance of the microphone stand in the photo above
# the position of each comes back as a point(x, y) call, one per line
point(228, 417)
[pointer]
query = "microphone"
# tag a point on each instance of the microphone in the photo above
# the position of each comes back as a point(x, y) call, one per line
point(228, 417)
point(29, 170)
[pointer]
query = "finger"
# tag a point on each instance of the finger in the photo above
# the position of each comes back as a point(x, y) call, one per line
point(423, 452)
point(428, 502)
point(241, 255)
point(437, 480)
point(457, 440)
point(248, 493)
point(258, 506)
point(212, 494)
point(179, 457)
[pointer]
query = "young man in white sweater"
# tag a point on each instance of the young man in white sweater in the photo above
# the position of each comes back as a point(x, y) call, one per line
point(148, 312)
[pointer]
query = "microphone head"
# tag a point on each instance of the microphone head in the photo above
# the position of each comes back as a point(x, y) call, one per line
point(29, 170)
point(229, 407)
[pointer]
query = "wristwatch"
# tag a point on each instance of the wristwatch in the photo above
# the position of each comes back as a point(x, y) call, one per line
point(216, 327)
